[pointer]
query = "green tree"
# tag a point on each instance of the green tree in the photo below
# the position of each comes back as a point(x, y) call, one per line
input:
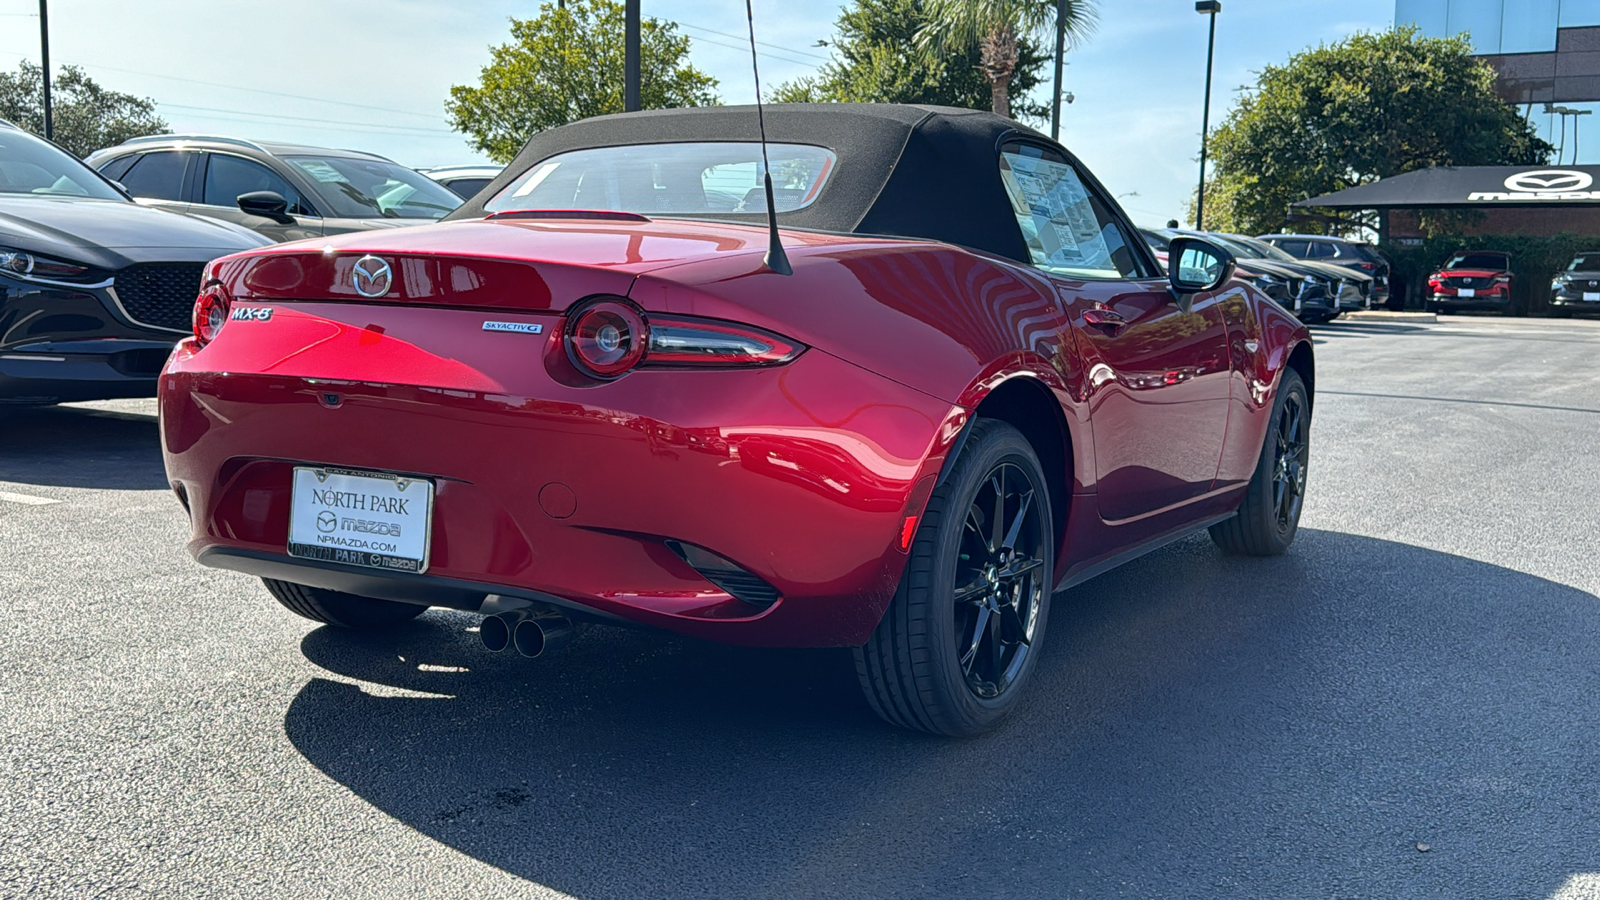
point(566, 65)
point(876, 60)
point(85, 115)
point(1368, 107)
point(998, 28)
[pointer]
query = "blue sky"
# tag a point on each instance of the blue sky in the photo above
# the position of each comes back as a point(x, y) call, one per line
point(374, 74)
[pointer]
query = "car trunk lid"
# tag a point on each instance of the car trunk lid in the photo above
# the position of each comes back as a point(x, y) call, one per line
point(520, 263)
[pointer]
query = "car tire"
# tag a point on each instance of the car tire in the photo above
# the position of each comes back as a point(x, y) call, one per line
point(953, 662)
point(339, 609)
point(1269, 516)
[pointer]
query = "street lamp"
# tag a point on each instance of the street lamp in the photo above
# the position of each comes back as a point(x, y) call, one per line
point(1061, 48)
point(1209, 8)
point(44, 58)
point(630, 57)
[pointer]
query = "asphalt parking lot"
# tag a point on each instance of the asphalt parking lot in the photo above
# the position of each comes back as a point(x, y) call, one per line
point(1403, 706)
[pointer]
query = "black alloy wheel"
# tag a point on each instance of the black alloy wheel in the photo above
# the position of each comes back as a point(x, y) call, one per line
point(997, 602)
point(964, 628)
point(1291, 456)
point(1269, 516)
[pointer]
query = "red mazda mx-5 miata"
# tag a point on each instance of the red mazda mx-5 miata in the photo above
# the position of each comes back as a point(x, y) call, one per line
point(590, 394)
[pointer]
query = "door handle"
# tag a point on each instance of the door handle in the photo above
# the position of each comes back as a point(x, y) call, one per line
point(1104, 317)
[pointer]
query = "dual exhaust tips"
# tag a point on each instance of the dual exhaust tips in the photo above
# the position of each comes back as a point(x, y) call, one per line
point(531, 633)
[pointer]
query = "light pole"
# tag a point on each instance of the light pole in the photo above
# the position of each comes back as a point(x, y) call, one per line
point(630, 62)
point(1209, 8)
point(44, 54)
point(1061, 47)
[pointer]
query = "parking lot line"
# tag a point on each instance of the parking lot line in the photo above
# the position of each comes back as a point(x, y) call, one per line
point(26, 499)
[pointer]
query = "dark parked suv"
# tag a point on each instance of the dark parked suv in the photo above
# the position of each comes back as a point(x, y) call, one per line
point(284, 191)
point(94, 288)
point(1350, 254)
point(1577, 289)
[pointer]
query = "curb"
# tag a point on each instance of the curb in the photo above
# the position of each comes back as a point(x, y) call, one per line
point(1386, 315)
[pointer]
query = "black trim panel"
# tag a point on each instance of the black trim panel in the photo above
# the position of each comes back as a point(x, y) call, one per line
point(423, 590)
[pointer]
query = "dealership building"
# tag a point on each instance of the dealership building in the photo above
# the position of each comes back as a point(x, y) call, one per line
point(1546, 54)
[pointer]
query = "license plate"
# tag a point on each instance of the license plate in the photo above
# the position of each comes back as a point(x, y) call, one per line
point(371, 519)
point(1466, 292)
point(1591, 295)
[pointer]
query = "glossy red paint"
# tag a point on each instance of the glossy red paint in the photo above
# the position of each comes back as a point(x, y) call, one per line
point(556, 484)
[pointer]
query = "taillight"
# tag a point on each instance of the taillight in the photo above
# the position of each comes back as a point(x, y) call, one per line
point(210, 313)
point(607, 338)
point(1367, 266)
point(702, 342)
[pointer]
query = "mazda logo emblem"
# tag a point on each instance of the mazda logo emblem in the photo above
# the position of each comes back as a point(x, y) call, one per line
point(327, 522)
point(1550, 180)
point(370, 276)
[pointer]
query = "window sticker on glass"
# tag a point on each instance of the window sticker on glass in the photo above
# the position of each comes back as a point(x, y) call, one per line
point(1057, 216)
point(319, 170)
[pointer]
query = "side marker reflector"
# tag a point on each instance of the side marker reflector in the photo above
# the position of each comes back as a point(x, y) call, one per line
point(908, 530)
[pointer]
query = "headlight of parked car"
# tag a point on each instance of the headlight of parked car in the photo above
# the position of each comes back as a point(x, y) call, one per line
point(33, 267)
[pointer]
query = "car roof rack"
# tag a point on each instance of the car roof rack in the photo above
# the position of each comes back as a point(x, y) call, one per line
point(214, 138)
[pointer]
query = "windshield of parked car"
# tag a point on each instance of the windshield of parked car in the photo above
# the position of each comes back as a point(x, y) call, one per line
point(1585, 262)
point(29, 165)
point(361, 188)
point(1476, 261)
point(671, 179)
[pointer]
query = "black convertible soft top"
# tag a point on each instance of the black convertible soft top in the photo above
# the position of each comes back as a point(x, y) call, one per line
point(911, 171)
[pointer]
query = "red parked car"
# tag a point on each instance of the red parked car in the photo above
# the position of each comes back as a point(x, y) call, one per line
point(591, 394)
point(1475, 279)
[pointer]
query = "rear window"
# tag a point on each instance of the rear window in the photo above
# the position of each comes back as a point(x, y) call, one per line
point(1477, 261)
point(671, 179)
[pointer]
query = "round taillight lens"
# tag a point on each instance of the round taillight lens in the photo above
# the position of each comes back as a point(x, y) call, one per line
point(607, 339)
point(210, 314)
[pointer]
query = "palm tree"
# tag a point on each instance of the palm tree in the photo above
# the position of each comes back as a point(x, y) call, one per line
point(996, 27)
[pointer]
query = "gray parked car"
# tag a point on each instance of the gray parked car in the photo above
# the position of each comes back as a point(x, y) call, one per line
point(464, 180)
point(1577, 289)
point(284, 191)
point(1355, 255)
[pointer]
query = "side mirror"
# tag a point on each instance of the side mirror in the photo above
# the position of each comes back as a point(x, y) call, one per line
point(1195, 265)
point(267, 204)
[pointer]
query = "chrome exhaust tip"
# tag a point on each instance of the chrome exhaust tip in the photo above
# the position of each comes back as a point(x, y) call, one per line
point(533, 635)
point(495, 631)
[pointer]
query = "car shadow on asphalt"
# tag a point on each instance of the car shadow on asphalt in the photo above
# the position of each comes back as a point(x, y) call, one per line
point(80, 447)
point(1199, 725)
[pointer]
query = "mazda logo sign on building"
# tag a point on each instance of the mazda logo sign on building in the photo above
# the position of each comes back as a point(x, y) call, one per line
point(1542, 184)
point(371, 276)
point(1549, 180)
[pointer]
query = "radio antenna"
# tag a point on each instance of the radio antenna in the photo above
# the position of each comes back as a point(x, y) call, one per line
point(776, 259)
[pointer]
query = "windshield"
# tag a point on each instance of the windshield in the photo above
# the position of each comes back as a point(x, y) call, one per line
point(1476, 261)
point(356, 188)
point(1585, 262)
point(29, 165)
point(671, 179)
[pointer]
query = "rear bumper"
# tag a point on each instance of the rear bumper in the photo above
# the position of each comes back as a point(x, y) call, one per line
point(802, 475)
